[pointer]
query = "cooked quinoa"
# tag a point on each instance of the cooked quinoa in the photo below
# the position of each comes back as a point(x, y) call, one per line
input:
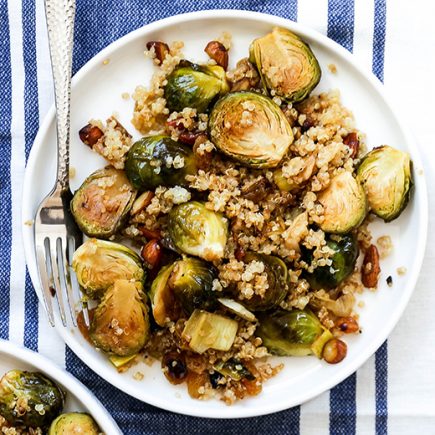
point(262, 217)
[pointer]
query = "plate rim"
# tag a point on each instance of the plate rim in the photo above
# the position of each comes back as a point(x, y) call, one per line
point(422, 212)
point(66, 380)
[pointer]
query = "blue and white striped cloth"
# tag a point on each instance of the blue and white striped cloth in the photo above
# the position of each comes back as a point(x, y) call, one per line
point(394, 392)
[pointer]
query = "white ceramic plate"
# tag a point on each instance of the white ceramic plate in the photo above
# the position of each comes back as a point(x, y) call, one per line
point(79, 398)
point(96, 93)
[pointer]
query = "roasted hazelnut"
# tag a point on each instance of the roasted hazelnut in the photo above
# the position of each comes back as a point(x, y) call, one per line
point(90, 134)
point(334, 351)
point(217, 51)
point(160, 48)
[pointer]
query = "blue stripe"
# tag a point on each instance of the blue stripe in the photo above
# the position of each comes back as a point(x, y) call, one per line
point(342, 402)
point(342, 417)
point(31, 120)
point(381, 380)
point(341, 22)
point(379, 31)
point(5, 181)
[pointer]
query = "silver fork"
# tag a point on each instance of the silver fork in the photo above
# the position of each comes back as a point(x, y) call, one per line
point(56, 233)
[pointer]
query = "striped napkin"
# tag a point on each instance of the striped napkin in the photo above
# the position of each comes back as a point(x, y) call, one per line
point(394, 392)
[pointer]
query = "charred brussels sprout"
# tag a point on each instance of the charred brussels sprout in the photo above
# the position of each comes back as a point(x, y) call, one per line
point(345, 253)
point(74, 423)
point(286, 64)
point(29, 399)
point(251, 129)
point(195, 230)
point(386, 176)
point(120, 324)
point(191, 281)
point(101, 204)
point(291, 333)
point(99, 263)
point(159, 160)
point(344, 203)
point(277, 277)
point(195, 86)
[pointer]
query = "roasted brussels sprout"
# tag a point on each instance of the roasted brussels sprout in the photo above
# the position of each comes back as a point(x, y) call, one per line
point(121, 324)
point(158, 160)
point(344, 258)
point(191, 280)
point(277, 279)
point(292, 333)
point(344, 203)
point(206, 330)
point(165, 306)
point(74, 423)
point(286, 64)
point(29, 399)
point(195, 230)
point(386, 176)
point(99, 263)
point(101, 205)
point(251, 129)
point(195, 86)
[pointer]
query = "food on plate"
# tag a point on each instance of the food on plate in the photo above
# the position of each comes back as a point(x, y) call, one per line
point(120, 323)
point(344, 252)
point(386, 176)
point(251, 203)
point(194, 86)
point(344, 204)
point(196, 230)
point(99, 263)
point(32, 403)
point(102, 203)
point(74, 423)
point(287, 66)
point(293, 333)
point(157, 160)
point(250, 128)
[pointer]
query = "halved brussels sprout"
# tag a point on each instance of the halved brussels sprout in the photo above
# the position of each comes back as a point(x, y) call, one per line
point(277, 278)
point(344, 203)
point(251, 129)
point(99, 263)
point(344, 258)
point(191, 280)
point(29, 399)
point(74, 423)
point(101, 205)
point(195, 86)
point(290, 333)
point(159, 161)
point(206, 330)
point(198, 231)
point(121, 324)
point(286, 64)
point(165, 306)
point(386, 176)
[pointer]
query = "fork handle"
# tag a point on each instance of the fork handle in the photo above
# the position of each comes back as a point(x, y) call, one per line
point(60, 25)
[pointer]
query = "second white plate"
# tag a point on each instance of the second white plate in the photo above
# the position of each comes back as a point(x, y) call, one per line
point(78, 398)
